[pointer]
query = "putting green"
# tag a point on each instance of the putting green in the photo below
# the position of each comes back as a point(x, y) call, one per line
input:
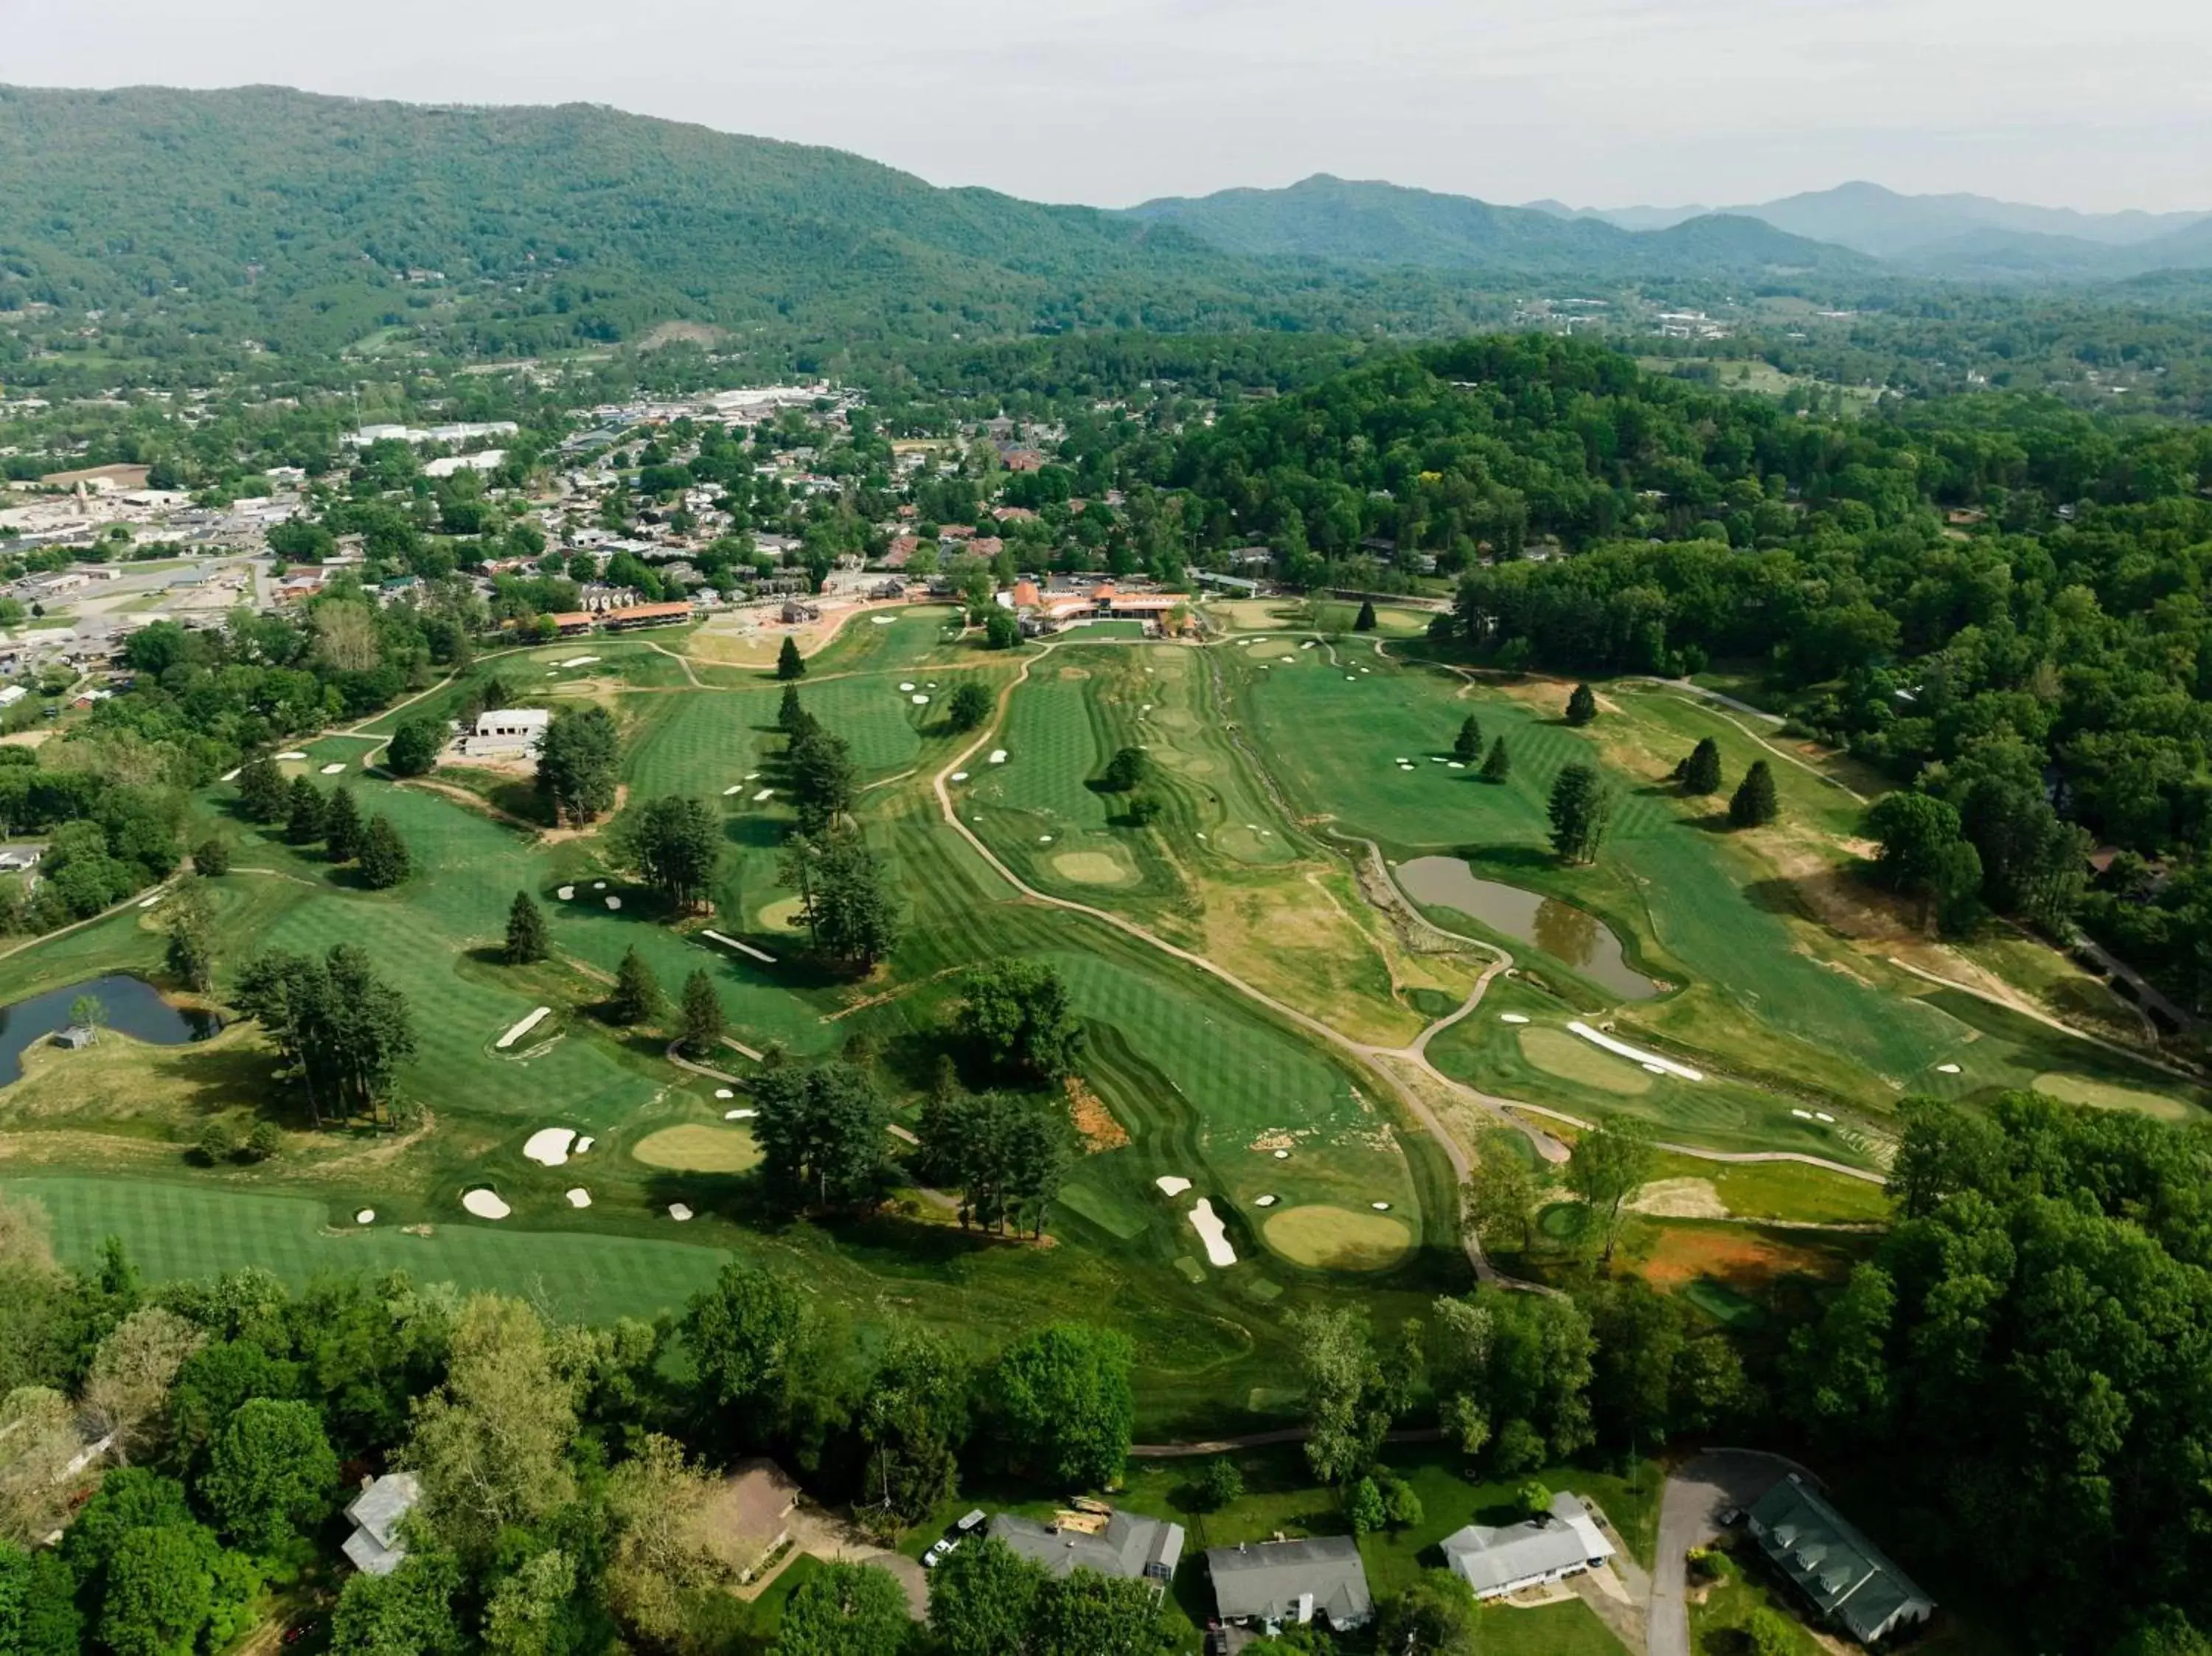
point(782, 915)
point(1092, 868)
point(1557, 1052)
point(1337, 1239)
point(696, 1148)
point(2103, 1096)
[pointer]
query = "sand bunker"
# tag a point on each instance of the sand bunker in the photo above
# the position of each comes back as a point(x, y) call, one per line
point(1512, 1018)
point(744, 947)
point(1211, 1231)
point(524, 1027)
point(1667, 1064)
point(599, 885)
point(566, 892)
point(579, 1198)
point(678, 1212)
point(1173, 1184)
point(907, 684)
point(231, 775)
point(332, 770)
point(723, 1092)
point(1338, 1239)
point(1265, 1201)
point(549, 1146)
point(696, 1147)
point(959, 776)
point(614, 902)
point(583, 1144)
point(485, 1204)
point(739, 1115)
point(998, 755)
point(765, 793)
point(291, 755)
point(366, 1216)
point(883, 620)
point(918, 698)
point(734, 787)
point(1680, 1198)
point(1946, 1069)
point(580, 661)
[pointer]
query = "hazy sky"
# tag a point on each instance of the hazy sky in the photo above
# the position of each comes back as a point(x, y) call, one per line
point(1599, 102)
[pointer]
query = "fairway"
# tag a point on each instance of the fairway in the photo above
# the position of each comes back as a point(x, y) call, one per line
point(1559, 1053)
point(2103, 1096)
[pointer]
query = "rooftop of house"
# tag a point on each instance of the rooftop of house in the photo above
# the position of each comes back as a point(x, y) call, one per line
point(1129, 1546)
point(1489, 1559)
point(1846, 1576)
point(374, 1546)
point(1292, 1580)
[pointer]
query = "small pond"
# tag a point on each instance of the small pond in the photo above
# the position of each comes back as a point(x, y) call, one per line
point(1560, 930)
point(130, 1005)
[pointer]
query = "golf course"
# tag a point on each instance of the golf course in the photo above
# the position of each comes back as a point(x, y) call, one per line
point(1318, 960)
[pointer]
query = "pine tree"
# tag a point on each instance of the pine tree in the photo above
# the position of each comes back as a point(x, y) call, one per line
point(702, 1019)
point(1582, 706)
point(1755, 804)
point(1579, 807)
point(1365, 621)
point(342, 827)
point(384, 859)
point(789, 664)
point(303, 812)
point(261, 796)
point(791, 716)
point(1499, 765)
point(526, 931)
point(637, 997)
point(1468, 745)
point(1701, 771)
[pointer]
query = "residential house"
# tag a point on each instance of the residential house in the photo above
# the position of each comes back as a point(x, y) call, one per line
point(1281, 1583)
point(1849, 1582)
point(1124, 1545)
point(1495, 1561)
point(374, 1546)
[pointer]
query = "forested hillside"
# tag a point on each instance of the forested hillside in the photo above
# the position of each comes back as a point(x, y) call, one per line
point(1996, 596)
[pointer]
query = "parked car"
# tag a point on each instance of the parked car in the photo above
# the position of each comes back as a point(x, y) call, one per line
point(938, 1554)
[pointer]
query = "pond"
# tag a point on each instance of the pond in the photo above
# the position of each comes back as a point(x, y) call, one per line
point(131, 1006)
point(1560, 930)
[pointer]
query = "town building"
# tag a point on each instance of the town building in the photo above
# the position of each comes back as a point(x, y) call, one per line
point(1277, 1584)
point(1495, 1561)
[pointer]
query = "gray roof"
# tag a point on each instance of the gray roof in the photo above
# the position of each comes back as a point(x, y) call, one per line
point(1269, 1579)
point(1490, 1560)
point(1848, 1578)
point(1129, 1546)
point(374, 1546)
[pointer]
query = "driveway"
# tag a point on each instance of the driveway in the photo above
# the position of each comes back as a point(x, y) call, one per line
point(1689, 1516)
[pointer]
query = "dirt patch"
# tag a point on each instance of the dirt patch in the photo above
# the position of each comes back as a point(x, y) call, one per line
point(1680, 1198)
point(696, 1148)
point(1747, 1259)
point(680, 333)
point(1338, 1239)
point(1100, 1130)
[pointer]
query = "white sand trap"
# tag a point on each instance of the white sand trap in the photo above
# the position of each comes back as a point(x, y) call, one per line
point(1380, 1207)
point(1282, 1155)
point(1308, 645)
point(1265, 1201)
point(959, 776)
point(614, 902)
point(678, 1212)
point(723, 1092)
point(231, 775)
point(366, 1216)
point(1802, 1115)
point(580, 661)
point(1173, 1184)
point(1215, 1235)
point(579, 1198)
point(765, 793)
point(1289, 657)
point(549, 1146)
point(930, 682)
point(1513, 1017)
point(918, 699)
point(1946, 1069)
point(907, 684)
point(739, 1115)
point(1822, 1115)
point(485, 1205)
point(150, 901)
point(734, 787)
point(1437, 759)
point(599, 885)
point(583, 1144)
point(1401, 759)
point(1352, 678)
point(998, 755)
point(752, 776)
point(741, 948)
point(1656, 1070)
point(1044, 839)
point(291, 755)
point(1456, 764)
point(883, 620)
point(1598, 1039)
point(524, 1027)
point(332, 770)
point(566, 892)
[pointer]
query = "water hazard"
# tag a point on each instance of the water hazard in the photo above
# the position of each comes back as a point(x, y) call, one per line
point(128, 1004)
point(1560, 930)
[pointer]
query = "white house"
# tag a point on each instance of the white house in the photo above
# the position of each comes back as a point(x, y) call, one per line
point(513, 724)
point(1495, 1562)
point(374, 1546)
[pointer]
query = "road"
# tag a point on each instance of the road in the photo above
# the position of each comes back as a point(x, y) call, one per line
point(1689, 1516)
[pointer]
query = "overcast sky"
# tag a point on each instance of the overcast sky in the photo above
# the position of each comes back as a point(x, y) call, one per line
point(1598, 102)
